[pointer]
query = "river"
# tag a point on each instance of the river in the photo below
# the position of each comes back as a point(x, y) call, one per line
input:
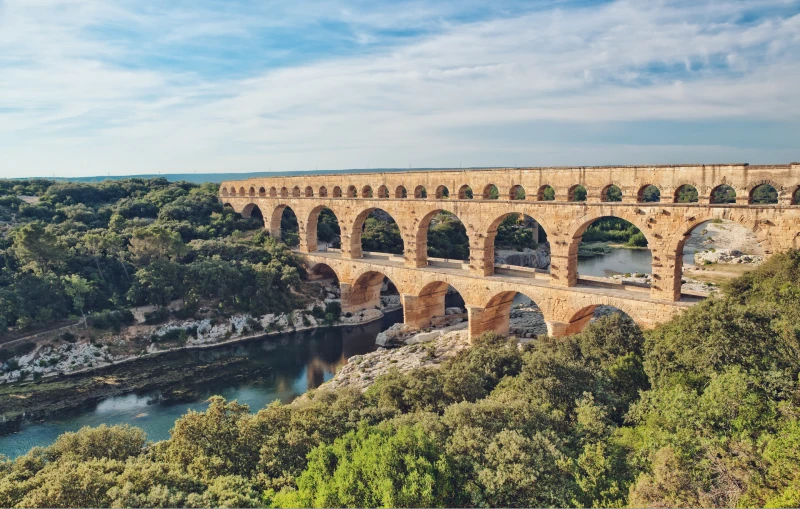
point(256, 372)
point(623, 260)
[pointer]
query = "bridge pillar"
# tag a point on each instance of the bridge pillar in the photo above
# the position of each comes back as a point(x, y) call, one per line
point(360, 297)
point(667, 275)
point(418, 311)
point(563, 264)
point(481, 258)
point(488, 319)
point(556, 329)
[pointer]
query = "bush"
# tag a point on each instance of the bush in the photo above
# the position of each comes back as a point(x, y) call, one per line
point(68, 337)
point(111, 319)
point(158, 315)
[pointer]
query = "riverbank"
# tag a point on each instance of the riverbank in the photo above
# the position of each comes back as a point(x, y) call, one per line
point(175, 375)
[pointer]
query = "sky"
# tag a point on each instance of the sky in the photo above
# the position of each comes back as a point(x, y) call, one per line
point(119, 87)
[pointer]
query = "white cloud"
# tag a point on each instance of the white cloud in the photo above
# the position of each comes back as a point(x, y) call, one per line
point(68, 106)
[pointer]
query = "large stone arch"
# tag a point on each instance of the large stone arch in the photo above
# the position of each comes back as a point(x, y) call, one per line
point(311, 221)
point(247, 210)
point(275, 219)
point(418, 250)
point(488, 235)
point(315, 271)
point(363, 291)
point(495, 312)
point(357, 227)
point(573, 319)
point(567, 270)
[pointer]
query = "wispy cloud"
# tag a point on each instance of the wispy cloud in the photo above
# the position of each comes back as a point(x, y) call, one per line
point(90, 87)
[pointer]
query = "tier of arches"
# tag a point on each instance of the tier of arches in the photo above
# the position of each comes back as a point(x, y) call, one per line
point(760, 193)
point(436, 302)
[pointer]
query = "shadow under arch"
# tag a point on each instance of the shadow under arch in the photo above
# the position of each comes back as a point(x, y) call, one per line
point(538, 235)
point(451, 238)
point(429, 307)
point(284, 229)
point(583, 316)
point(322, 270)
point(252, 210)
point(365, 292)
point(317, 240)
point(387, 235)
point(496, 314)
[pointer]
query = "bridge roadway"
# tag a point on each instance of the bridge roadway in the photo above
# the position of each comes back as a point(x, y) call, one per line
point(488, 298)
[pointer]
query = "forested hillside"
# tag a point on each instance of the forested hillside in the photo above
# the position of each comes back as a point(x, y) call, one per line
point(71, 249)
point(702, 411)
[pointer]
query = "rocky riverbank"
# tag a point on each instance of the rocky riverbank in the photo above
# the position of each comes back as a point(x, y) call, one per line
point(362, 370)
point(81, 351)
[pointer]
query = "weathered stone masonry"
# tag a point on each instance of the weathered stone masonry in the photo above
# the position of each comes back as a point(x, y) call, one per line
point(565, 300)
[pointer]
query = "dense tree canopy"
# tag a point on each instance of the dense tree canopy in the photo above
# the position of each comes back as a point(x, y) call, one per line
point(86, 248)
point(702, 411)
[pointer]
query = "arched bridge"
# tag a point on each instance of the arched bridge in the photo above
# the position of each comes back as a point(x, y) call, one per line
point(545, 194)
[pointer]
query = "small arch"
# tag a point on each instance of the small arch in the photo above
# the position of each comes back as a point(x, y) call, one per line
point(577, 193)
point(611, 193)
point(366, 192)
point(796, 196)
point(686, 193)
point(241, 191)
point(351, 191)
point(273, 192)
point(517, 192)
point(262, 192)
point(648, 194)
point(383, 192)
point(252, 191)
point(400, 192)
point(420, 192)
point(296, 191)
point(465, 193)
point(763, 194)
point(490, 192)
point(284, 192)
point(442, 193)
point(546, 193)
point(723, 194)
point(337, 192)
point(323, 192)
point(309, 192)
point(224, 191)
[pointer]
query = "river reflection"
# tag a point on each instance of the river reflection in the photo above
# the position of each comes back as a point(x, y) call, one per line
point(255, 372)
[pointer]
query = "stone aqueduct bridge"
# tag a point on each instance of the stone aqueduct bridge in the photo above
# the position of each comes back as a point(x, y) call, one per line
point(566, 300)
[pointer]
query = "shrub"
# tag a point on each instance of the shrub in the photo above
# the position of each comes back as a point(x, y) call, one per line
point(158, 315)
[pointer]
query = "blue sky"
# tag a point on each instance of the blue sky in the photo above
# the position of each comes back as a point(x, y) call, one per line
point(123, 87)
